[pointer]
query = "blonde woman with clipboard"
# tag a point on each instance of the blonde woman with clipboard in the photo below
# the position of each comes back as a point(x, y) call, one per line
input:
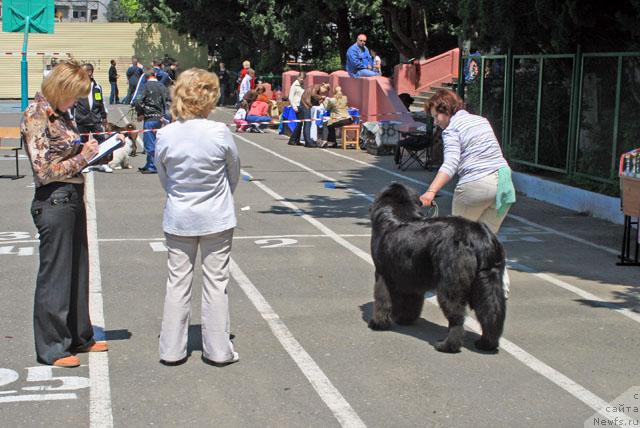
point(61, 323)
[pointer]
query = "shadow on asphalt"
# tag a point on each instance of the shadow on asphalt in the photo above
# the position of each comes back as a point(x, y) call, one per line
point(426, 330)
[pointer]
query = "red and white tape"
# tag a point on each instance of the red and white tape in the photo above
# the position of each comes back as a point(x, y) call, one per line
point(19, 53)
point(273, 122)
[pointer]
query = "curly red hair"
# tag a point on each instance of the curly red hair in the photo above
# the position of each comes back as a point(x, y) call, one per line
point(444, 101)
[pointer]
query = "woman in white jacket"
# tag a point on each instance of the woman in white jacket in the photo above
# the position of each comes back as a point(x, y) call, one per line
point(199, 168)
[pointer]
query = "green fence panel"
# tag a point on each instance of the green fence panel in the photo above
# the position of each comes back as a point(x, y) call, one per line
point(493, 93)
point(569, 113)
point(555, 113)
point(524, 110)
point(629, 119)
point(597, 116)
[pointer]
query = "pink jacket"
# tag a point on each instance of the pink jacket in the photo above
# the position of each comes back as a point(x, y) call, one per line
point(258, 108)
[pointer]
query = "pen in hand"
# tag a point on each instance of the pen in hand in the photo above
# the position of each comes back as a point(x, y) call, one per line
point(90, 148)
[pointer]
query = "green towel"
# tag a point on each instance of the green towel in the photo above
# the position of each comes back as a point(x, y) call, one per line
point(506, 194)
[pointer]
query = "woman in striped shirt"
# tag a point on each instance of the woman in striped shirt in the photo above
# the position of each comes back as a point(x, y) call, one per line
point(484, 191)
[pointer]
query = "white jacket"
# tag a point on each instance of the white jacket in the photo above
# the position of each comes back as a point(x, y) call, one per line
point(199, 168)
point(295, 94)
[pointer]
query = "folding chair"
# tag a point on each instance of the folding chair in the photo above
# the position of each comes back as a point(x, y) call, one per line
point(416, 148)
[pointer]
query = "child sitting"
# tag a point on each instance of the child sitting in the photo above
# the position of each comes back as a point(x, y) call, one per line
point(240, 117)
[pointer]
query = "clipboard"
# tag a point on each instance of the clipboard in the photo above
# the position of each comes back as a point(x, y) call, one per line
point(107, 146)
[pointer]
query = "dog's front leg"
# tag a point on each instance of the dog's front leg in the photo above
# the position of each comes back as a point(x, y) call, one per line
point(381, 319)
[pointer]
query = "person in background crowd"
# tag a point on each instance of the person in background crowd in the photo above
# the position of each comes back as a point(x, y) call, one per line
point(199, 169)
point(46, 71)
point(359, 62)
point(167, 64)
point(377, 62)
point(246, 65)
point(152, 106)
point(223, 77)
point(240, 117)
point(313, 96)
point(113, 80)
point(173, 71)
point(245, 85)
point(162, 76)
point(295, 95)
point(484, 191)
point(261, 93)
point(339, 115)
point(134, 72)
point(61, 322)
point(90, 114)
point(258, 112)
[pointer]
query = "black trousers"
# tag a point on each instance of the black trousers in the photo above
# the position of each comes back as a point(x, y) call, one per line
point(305, 127)
point(61, 305)
point(95, 127)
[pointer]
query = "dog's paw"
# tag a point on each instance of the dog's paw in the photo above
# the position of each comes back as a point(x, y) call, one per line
point(444, 346)
point(373, 325)
point(484, 345)
point(117, 167)
point(129, 167)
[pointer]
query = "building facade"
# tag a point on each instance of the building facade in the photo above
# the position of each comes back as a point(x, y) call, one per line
point(78, 10)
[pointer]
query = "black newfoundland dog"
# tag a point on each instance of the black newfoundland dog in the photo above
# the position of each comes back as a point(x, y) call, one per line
point(461, 260)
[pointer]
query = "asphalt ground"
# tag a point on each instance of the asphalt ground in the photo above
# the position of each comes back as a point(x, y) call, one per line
point(300, 297)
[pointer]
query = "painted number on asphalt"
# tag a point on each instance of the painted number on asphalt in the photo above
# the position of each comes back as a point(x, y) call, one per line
point(275, 242)
point(47, 389)
point(8, 250)
point(158, 247)
point(14, 236)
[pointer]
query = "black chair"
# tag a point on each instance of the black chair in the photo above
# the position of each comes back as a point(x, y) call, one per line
point(416, 148)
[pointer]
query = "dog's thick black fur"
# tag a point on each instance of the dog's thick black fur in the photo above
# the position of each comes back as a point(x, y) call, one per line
point(461, 260)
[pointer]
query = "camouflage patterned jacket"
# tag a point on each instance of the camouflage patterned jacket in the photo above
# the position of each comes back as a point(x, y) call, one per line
point(51, 142)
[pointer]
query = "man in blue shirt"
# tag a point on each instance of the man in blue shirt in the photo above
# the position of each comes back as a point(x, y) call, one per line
point(359, 61)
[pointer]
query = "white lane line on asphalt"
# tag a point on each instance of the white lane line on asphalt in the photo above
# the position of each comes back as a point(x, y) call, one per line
point(100, 412)
point(318, 225)
point(564, 382)
point(306, 168)
point(341, 409)
point(513, 216)
point(38, 397)
point(575, 290)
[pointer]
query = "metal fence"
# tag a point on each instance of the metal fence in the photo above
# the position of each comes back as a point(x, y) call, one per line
point(573, 114)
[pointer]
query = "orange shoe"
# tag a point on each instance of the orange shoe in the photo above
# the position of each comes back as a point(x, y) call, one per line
point(70, 361)
point(95, 347)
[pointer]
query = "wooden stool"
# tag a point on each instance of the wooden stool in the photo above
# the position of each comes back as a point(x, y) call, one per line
point(351, 135)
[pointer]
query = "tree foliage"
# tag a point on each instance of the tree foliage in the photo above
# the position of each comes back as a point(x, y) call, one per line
point(116, 13)
point(551, 26)
point(272, 32)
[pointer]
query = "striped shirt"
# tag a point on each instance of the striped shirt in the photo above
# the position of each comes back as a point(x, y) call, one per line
point(471, 149)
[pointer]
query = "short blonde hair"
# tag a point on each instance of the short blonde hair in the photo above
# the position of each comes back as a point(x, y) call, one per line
point(67, 79)
point(246, 64)
point(195, 94)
